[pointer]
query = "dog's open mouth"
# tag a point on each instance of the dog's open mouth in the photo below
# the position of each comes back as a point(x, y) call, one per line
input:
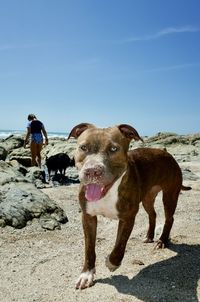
point(95, 191)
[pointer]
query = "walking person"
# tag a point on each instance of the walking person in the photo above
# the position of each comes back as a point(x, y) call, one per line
point(35, 131)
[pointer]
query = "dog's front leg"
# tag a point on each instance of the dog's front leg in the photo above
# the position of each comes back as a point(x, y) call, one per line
point(113, 261)
point(87, 276)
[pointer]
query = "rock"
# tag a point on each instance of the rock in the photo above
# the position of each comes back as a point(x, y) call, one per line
point(194, 139)
point(167, 139)
point(183, 147)
point(12, 142)
point(22, 155)
point(3, 153)
point(160, 136)
point(8, 173)
point(23, 160)
point(36, 176)
point(49, 223)
point(21, 201)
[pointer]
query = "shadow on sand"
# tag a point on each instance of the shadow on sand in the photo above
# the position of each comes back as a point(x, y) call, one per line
point(59, 179)
point(174, 279)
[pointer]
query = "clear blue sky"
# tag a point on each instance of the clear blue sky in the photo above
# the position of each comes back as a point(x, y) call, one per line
point(101, 61)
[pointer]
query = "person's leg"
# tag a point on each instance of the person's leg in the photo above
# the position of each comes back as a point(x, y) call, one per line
point(33, 148)
point(39, 148)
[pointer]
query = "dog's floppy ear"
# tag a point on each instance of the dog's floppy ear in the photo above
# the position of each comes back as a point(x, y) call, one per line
point(78, 129)
point(129, 132)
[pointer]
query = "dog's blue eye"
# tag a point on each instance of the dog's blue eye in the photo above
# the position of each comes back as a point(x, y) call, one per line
point(113, 149)
point(83, 148)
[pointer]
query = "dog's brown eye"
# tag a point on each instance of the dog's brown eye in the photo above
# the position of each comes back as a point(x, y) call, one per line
point(83, 148)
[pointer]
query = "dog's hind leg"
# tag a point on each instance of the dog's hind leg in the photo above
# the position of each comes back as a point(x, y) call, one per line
point(148, 204)
point(170, 200)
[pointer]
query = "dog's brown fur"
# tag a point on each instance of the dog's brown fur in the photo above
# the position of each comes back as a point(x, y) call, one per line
point(135, 176)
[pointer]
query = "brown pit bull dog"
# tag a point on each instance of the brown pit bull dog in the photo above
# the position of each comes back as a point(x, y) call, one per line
point(113, 181)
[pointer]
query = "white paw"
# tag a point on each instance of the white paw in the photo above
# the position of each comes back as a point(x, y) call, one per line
point(86, 279)
point(111, 266)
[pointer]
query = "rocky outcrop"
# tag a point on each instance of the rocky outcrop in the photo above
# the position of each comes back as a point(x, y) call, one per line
point(168, 139)
point(20, 197)
point(183, 147)
point(12, 142)
point(21, 201)
point(14, 150)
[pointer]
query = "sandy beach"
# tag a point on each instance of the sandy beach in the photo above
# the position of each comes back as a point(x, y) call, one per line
point(39, 265)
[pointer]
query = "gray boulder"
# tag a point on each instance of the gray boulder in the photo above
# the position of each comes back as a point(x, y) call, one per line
point(22, 155)
point(12, 142)
point(21, 201)
point(36, 176)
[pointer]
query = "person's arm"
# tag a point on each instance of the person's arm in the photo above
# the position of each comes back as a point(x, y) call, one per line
point(27, 136)
point(45, 135)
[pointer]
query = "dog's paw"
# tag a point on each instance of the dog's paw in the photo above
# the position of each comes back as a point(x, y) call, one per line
point(86, 279)
point(159, 245)
point(111, 266)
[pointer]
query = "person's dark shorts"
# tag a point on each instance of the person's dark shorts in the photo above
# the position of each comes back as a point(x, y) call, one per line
point(37, 138)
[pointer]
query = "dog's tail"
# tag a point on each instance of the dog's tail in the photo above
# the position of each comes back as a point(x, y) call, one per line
point(184, 188)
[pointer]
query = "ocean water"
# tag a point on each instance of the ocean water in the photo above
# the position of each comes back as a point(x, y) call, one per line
point(7, 133)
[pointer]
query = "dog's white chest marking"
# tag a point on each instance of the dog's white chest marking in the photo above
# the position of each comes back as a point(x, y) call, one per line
point(107, 205)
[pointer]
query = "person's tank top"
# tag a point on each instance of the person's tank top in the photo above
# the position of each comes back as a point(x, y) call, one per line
point(36, 126)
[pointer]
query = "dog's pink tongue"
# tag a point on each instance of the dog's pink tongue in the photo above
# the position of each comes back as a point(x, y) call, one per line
point(93, 192)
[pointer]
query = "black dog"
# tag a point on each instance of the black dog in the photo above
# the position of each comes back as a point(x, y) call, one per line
point(59, 162)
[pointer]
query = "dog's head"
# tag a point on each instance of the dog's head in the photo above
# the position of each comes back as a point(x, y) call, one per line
point(101, 156)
